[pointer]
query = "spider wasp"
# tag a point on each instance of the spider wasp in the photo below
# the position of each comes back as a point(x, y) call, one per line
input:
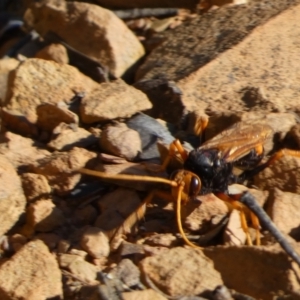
point(209, 169)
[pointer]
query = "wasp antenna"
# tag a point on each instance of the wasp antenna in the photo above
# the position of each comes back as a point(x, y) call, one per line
point(178, 216)
point(127, 177)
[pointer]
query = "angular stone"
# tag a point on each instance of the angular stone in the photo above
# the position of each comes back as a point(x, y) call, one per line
point(12, 198)
point(35, 186)
point(228, 42)
point(32, 273)
point(283, 208)
point(168, 269)
point(269, 270)
point(6, 65)
point(55, 52)
point(94, 31)
point(37, 81)
point(65, 137)
point(21, 151)
point(60, 168)
point(112, 100)
point(44, 216)
point(282, 174)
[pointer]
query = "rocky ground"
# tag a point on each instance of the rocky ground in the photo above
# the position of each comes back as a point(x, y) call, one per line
point(108, 86)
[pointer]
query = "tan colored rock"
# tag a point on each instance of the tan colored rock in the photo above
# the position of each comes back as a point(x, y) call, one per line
point(225, 44)
point(12, 198)
point(94, 31)
point(66, 137)
point(79, 267)
point(283, 208)
point(6, 65)
point(161, 240)
point(121, 141)
point(37, 81)
point(116, 207)
point(51, 240)
point(60, 168)
point(95, 242)
point(168, 269)
point(17, 122)
point(55, 52)
point(260, 271)
point(282, 174)
point(32, 273)
point(51, 115)
point(112, 100)
point(234, 233)
point(197, 215)
point(44, 216)
point(17, 241)
point(147, 294)
point(35, 186)
point(21, 151)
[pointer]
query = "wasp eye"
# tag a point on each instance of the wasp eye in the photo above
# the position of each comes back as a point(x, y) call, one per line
point(195, 186)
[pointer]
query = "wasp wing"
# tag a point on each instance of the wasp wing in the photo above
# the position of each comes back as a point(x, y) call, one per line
point(238, 140)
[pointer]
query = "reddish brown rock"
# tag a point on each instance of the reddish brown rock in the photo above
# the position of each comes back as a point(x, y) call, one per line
point(112, 100)
point(32, 273)
point(259, 272)
point(94, 31)
point(35, 186)
point(55, 52)
point(12, 199)
point(223, 42)
point(121, 141)
point(168, 269)
point(60, 168)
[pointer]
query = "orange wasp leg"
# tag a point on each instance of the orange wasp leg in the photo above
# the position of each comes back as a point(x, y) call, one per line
point(178, 216)
point(242, 210)
point(281, 153)
point(249, 200)
point(175, 147)
point(200, 126)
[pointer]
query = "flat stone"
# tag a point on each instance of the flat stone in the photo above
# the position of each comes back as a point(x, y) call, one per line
point(269, 270)
point(112, 100)
point(167, 270)
point(67, 136)
point(228, 42)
